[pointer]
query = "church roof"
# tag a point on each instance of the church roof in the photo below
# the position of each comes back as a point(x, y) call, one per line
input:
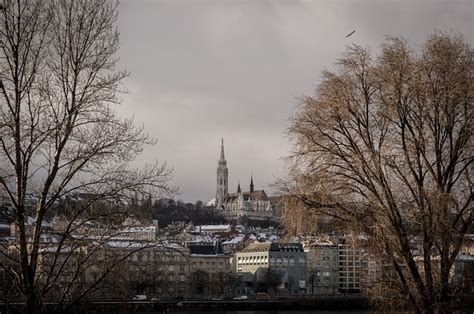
point(258, 195)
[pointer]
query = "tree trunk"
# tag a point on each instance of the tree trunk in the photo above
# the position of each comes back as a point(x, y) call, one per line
point(33, 303)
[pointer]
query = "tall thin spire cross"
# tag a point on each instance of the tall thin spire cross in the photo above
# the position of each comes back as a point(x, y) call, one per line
point(222, 149)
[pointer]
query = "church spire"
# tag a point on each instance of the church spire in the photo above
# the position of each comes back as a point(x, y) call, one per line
point(238, 187)
point(251, 183)
point(222, 149)
point(222, 179)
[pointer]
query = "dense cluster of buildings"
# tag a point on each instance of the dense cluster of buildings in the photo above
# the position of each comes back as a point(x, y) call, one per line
point(206, 261)
point(136, 258)
point(209, 261)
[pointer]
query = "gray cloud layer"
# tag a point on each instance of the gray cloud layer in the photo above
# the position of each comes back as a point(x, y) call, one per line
point(202, 70)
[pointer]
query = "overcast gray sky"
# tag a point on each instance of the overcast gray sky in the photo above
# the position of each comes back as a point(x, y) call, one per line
point(202, 70)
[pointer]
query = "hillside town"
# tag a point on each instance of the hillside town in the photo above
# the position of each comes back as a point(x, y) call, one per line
point(227, 261)
point(236, 156)
point(221, 261)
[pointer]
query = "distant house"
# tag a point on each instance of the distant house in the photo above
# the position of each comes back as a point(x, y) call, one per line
point(212, 229)
point(235, 244)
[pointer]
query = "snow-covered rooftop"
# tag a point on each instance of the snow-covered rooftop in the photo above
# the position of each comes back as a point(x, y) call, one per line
point(214, 227)
point(139, 229)
point(211, 202)
point(202, 238)
point(236, 240)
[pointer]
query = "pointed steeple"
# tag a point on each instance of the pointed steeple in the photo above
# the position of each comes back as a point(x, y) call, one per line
point(222, 149)
point(222, 179)
point(238, 187)
point(251, 183)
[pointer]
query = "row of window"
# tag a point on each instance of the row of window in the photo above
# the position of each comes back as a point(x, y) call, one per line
point(323, 274)
point(167, 268)
point(156, 257)
point(349, 279)
point(273, 261)
point(350, 285)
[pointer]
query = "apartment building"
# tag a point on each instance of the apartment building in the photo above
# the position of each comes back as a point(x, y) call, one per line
point(349, 268)
point(209, 268)
point(288, 259)
point(323, 268)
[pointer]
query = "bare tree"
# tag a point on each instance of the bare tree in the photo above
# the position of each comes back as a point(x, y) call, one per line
point(386, 146)
point(268, 280)
point(59, 133)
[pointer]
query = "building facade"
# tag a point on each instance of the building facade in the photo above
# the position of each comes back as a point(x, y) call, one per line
point(323, 268)
point(252, 204)
point(349, 268)
point(289, 260)
point(209, 268)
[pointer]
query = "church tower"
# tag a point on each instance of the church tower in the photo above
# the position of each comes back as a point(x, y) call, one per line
point(222, 179)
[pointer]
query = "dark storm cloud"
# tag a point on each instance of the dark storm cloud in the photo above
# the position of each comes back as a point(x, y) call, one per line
point(202, 70)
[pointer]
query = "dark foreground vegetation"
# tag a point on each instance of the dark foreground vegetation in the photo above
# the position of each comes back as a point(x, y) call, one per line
point(307, 304)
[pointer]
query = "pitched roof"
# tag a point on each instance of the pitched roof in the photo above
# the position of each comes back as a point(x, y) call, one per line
point(257, 247)
point(205, 248)
point(273, 247)
point(258, 195)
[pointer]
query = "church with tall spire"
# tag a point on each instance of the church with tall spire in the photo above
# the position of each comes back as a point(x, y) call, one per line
point(252, 204)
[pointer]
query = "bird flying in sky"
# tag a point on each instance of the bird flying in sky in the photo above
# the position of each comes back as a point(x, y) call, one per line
point(350, 33)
